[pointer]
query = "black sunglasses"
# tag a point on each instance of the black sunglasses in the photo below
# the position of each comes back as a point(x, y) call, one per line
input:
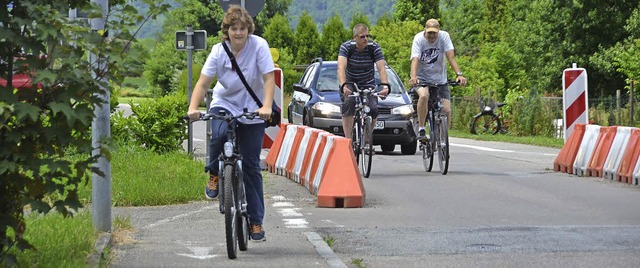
point(364, 36)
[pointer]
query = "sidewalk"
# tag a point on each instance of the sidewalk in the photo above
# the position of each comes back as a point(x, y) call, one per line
point(192, 235)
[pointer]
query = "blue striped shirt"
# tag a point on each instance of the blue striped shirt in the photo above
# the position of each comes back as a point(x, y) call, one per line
point(360, 67)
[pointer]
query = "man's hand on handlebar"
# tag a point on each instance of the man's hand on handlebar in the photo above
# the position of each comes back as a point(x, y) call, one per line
point(414, 81)
point(462, 80)
point(384, 92)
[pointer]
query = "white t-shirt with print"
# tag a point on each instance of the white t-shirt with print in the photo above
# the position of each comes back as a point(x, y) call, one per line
point(229, 92)
point(431, 57)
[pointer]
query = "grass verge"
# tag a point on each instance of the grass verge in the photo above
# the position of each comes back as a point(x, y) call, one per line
point(144, 178)
point(58, 241)
point(530, 140)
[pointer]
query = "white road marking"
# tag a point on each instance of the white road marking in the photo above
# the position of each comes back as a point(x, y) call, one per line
point(201, 253)
point(295, 223)
point(282, 204)
point(481, 148)
point(290, 212)
point(163, 221)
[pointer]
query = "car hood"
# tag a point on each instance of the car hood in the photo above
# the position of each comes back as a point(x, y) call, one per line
point(392, 101)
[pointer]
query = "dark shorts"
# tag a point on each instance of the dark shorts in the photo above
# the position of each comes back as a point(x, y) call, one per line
point(349, 106)
point(444, 92)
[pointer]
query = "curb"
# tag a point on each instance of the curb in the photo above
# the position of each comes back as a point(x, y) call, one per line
point(324, 250)
point(104, 239)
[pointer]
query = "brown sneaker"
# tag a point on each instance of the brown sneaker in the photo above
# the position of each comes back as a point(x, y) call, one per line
point(257, 233)
point(211, 190)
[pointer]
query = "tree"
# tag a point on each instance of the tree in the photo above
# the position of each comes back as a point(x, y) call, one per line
point(306, 41)
point(395, 39)
point(270, 10)
point(278, 33)
point(45, 136)
point(333, 35)
point(420, 11)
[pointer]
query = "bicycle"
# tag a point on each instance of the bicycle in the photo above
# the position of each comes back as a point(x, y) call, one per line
point(233, 201)
point(487, 121)
point(362, 133)
point(438, 128)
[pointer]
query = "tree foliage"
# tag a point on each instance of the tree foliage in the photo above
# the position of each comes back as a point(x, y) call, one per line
point(421, 11)
point(278, 33)
point(306, 40)
point(333, 35)
point(45, 136)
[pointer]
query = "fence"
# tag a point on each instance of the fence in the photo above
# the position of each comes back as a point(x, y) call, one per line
point(617, 110)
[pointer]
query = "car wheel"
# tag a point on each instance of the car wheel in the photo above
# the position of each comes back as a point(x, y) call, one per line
point(409, 148)
point(388, 147)
point(289, 117)
point(308, 121)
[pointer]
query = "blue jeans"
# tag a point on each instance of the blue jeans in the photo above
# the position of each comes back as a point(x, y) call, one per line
point(249, 141)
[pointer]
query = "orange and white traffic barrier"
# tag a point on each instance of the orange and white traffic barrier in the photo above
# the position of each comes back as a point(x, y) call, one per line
point(629, 158)
point(600, 153)
point(636, 173)
point(272, 156)
point(612, 163)
point(304, 153)
point(321, 162)
point(285, 149)
point(341, 183)
point(585, 150)
point(311, 167)
point(566, 157)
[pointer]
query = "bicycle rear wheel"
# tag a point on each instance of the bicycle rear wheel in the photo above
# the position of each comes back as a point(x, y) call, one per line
point(443, 144)
point(230, 212)
point(367, 147)
point(485, 124)
point(427, 152)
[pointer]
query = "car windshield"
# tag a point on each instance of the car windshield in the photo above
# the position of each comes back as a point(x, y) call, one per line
point(328, 80)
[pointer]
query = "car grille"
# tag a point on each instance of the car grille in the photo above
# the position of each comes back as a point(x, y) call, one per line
point(384, 110)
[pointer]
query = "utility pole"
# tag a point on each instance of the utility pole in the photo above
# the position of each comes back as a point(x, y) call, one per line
point(100, 132)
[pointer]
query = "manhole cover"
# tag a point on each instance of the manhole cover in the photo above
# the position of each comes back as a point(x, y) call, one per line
point(483, 247)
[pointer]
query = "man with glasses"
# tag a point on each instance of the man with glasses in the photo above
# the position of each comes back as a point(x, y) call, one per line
point(428, 52)
point(356, 61)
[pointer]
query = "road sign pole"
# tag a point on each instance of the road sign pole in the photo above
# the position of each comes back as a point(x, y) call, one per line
point(100, 133)
point(189, 83)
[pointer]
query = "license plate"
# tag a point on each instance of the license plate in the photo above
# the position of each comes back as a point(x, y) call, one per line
point(379, 125)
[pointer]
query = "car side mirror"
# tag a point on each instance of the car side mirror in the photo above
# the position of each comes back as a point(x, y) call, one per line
point(301, 88)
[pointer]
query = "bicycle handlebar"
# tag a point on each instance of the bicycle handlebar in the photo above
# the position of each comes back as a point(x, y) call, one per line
point(225, 117)
point(449, 82)
point(357, 89)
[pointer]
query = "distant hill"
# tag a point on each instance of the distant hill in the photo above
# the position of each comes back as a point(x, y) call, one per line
point(322, 10)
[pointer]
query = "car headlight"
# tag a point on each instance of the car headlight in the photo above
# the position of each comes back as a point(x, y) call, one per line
point(403, 110)
point(326, 108)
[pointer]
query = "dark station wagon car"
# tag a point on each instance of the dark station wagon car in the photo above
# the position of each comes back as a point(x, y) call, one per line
point(316, 103)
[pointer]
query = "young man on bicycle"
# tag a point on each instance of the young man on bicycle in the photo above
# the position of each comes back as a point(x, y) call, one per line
point(356, 61)
point(428, 65)
point(253, 56)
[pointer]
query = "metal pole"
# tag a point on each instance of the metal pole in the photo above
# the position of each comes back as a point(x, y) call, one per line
point(189, 79)
point(101, 132)
point(618, 110)
point(208, 131)
point(631, 104)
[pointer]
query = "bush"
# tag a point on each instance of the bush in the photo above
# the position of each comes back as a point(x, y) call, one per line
point(156, 124)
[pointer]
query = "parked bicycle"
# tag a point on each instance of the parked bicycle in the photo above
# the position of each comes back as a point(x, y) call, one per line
point(362, 134)
point(438, 128)
point(233, 201)
point(488, 122)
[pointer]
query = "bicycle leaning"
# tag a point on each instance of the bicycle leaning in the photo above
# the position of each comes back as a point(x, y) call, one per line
point(233, 201)
point(488, 121)
point(362, 133)
point(438, 126)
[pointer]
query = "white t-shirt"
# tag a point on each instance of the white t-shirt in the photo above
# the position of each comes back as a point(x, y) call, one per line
point(229, 92)
point(431, 58)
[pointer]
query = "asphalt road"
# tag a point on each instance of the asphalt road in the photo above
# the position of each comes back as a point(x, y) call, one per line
point(500, 205)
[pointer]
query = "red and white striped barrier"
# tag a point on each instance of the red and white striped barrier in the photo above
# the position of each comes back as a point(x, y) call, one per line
point(574, 98)
point(271, 133)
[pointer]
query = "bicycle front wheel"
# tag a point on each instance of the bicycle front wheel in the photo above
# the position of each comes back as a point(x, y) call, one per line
point(242, 216)
point(427, 152)
point(356, 138)
point(367, 147)
point(485, 124)
point(230, 212)
point(443, 146)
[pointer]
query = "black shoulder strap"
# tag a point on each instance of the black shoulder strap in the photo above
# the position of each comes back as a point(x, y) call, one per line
point(244, 81)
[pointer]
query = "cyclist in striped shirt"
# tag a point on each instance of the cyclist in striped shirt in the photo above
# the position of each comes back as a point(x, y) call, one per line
point(356, 61)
